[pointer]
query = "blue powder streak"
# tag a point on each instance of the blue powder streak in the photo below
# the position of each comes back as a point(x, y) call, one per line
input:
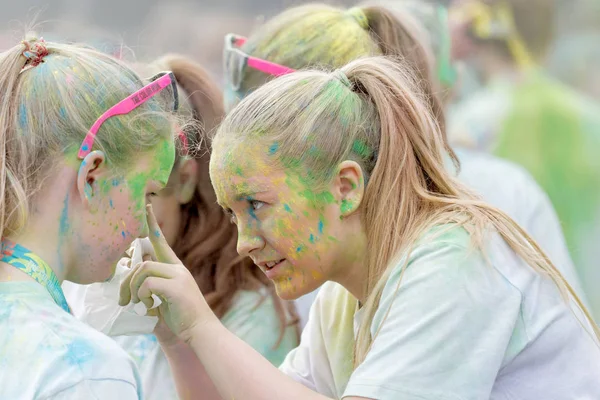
point(111, 203)
point(23, 115)
point(321, 226)
point(157, 233)
point(299, 249)
point(64, 217)
point(123, 234)
point(287, 208)
point(312, 238)
point(273, 149)
point(79, 352)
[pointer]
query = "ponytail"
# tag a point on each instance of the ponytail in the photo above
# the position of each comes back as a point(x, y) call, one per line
point(13, 199)
point(400, 36)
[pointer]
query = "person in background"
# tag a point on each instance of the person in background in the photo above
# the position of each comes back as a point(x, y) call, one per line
point(523, 115)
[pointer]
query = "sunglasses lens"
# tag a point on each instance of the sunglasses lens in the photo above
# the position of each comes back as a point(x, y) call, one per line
point(234, 61)
point(168, 96)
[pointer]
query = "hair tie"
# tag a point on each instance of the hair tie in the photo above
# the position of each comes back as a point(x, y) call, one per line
point(34, 53)
point(359, 16)
point(343, 78)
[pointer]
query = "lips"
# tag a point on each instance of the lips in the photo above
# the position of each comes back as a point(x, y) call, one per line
point(272, 264)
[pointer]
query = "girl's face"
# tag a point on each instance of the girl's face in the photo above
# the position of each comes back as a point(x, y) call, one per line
point(115, 215)
point(294, 232)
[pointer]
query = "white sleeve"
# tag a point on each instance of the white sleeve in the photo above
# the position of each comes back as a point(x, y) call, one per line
point(447, 330)
point(98, 389)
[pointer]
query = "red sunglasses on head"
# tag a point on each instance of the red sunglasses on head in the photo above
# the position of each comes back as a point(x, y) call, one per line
point(163, 82)
point(235, 60)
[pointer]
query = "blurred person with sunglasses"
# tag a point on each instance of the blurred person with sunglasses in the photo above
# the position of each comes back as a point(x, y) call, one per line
point(523, 115)
point(85, 142)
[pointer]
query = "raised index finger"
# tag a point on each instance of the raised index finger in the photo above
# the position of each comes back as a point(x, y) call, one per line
point(163, 251)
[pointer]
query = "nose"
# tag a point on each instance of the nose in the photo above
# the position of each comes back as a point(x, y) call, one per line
point(248, 238)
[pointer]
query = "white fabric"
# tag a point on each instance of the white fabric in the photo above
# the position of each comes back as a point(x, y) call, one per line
point(45, 353)
point(457, 328)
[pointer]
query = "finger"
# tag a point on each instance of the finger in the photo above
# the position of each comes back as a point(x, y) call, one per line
point(153, 312)
point(163, 251)
point(148, 269)
point(152, 285)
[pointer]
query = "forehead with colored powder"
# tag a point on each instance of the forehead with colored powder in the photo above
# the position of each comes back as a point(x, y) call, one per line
point(239, 171)
point(242, 170)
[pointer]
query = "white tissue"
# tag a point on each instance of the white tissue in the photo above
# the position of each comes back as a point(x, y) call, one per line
point(97, 304)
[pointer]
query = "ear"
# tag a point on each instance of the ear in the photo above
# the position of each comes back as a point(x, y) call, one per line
point(187, 172)
point(349, 187)
point(89, 171)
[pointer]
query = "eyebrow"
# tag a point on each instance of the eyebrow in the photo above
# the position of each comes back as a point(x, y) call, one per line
point(245, 193)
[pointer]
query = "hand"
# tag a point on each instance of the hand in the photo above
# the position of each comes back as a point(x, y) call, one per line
point(183, 306)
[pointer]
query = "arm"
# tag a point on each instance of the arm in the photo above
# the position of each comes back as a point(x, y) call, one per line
point(235, 368)
point(189, 373)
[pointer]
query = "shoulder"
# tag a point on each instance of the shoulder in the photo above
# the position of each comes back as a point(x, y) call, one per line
point(60, 352)
point(445, 268)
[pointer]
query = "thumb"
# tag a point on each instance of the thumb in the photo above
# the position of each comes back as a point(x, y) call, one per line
point(163, 251)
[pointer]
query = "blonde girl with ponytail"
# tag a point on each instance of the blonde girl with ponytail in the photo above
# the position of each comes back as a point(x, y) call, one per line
point(84, 143)
point(338, 179)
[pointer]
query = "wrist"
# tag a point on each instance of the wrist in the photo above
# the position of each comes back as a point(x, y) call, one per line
point(200, 333)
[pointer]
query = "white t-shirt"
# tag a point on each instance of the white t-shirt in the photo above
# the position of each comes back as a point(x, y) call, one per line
point(252, 318)
point(45, 353)
point(513, 190)
point(458, 328)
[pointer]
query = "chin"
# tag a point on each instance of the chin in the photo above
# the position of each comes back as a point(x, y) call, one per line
point(290, 290)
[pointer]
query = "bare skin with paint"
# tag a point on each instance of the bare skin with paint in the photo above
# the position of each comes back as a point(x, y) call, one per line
point(87, 215)
point(300, 236)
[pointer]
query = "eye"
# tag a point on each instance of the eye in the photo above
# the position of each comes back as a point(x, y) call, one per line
point(152, 194)
point(255, 204)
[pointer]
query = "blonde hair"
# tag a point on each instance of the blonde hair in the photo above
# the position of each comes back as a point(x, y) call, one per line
point(373, 111)
point(320, 35)
point(46, 109)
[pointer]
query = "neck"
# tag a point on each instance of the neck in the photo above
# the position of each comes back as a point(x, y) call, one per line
point(45, 234)
point(353, 273)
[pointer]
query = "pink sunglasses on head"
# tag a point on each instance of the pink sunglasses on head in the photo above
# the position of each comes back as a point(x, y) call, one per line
point(163, 82)
point(235, 60)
